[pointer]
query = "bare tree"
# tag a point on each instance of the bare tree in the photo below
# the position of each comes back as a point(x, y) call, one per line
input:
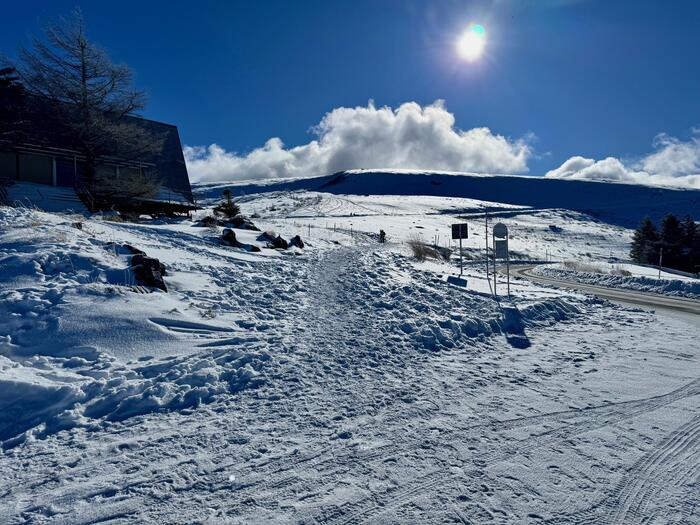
point(12, 105)
point(131, 184)
point(91, 97)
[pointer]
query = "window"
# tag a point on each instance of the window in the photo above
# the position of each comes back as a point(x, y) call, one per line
point(106, 172)
point(8, 165)
point(35, 168)
point(129, 173)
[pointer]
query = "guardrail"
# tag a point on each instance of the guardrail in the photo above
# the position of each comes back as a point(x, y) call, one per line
point(83, 193)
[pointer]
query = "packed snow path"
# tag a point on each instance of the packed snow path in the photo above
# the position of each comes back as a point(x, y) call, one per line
point(385, 396)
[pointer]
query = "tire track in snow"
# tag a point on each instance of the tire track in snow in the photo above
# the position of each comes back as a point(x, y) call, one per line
point(375, 505)
point(628, 501)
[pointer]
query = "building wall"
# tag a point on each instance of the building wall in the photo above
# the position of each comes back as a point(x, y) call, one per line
point(8, 165)
point(35, 168)
point(53, 170)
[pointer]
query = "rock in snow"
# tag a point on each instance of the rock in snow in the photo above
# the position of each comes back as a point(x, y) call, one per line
point(229, 237)
point(296, 241)
point(148, 271)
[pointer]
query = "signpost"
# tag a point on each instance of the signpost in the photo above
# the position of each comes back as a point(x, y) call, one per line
point(500, 251)
point(460, 231)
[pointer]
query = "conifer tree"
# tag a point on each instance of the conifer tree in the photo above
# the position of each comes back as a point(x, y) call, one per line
point(671, 239)
point(691, 245)
point(644, 243)
point(227, 207)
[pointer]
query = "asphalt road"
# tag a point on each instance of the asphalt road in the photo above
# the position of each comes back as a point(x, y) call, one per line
point(614, 294)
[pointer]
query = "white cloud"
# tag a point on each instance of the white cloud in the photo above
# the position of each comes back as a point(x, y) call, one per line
point(411, 136)
point(672, 163)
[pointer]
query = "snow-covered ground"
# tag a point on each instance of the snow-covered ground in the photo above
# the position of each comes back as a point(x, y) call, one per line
point(341, 383)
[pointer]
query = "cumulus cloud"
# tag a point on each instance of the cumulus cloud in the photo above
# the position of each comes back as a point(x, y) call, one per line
point(672, 163)
point(411, 136)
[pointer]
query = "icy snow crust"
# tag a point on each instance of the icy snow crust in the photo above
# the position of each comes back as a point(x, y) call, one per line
point(342, 383)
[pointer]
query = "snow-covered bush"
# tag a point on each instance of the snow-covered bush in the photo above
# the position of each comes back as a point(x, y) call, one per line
point(420, 250)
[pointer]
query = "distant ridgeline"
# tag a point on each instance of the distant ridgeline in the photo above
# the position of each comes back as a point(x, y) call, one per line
point(619, 203)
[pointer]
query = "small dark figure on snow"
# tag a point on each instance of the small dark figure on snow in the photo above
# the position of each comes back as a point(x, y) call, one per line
point(382, 236)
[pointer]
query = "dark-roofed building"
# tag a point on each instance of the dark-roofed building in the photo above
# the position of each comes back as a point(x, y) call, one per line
point(35, 155)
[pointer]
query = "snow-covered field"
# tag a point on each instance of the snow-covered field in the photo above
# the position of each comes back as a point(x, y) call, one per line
point(341, 383)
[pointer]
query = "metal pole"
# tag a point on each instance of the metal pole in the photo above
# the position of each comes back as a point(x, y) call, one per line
point(495, 293)
point(486, 235)
point(508, 266)
point(460, 255)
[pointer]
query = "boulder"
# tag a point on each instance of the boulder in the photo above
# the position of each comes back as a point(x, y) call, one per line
point(229, 237)
point(242, 223)
point(148, 271)
point(296, 241)
point(134, 251)
point(124, 249)
point(266, 237)
point(279, 242)
point(273, 241)
point(210, 221)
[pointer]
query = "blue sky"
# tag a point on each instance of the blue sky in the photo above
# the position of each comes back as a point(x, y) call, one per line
point(591, 78)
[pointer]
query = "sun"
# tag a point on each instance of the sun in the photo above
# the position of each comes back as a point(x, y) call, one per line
point(470, 44)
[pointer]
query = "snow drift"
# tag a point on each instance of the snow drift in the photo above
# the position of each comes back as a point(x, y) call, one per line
point(77, 346)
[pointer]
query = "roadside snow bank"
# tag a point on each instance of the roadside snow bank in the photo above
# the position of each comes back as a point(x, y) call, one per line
point(417, 306)
point(671, 287)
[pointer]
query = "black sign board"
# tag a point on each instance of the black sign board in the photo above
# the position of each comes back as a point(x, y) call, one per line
point(460, 231)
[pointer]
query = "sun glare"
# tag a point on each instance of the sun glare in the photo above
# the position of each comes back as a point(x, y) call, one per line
point(470, 44)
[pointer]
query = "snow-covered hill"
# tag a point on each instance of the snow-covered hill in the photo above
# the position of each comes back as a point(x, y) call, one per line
point(620, 203)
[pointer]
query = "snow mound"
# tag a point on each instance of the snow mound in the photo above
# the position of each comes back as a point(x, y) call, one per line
point(419, 310)
point(79, 347)
point(672, 287)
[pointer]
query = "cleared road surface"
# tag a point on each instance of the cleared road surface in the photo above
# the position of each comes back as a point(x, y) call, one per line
point(613, 294)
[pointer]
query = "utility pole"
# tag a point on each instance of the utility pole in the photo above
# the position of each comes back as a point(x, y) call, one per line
point(486, 236)
point(508, 269)
point(494, 268)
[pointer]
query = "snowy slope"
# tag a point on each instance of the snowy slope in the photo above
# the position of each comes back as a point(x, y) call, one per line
point(154, 351)
point(620, 203)
point(341, 383)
